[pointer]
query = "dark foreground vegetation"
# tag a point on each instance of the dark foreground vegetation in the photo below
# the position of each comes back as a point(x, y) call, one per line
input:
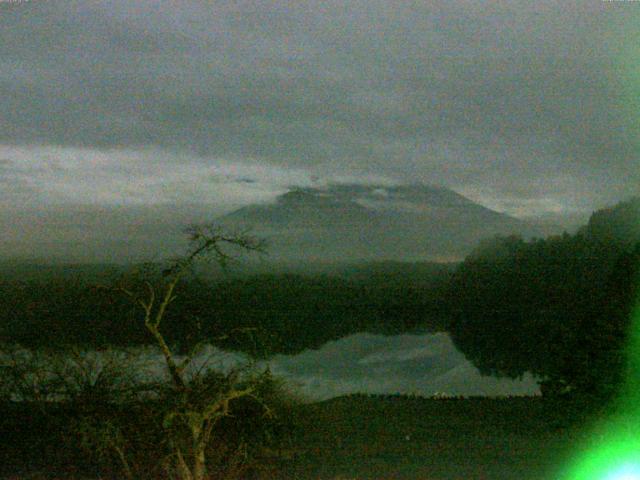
point(559, 308)
point(267, 313)
point(400, 437)
point(134, 440)
point(355, 437)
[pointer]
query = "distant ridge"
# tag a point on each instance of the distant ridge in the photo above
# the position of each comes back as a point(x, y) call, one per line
point(354, 222)
point(619, 223)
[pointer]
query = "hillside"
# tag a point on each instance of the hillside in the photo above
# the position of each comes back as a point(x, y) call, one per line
point(374, 222)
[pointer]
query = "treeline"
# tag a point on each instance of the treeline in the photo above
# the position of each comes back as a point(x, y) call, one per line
point(260, 314)
point(559, 307)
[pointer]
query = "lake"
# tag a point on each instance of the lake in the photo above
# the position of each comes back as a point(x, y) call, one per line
point(423, 365)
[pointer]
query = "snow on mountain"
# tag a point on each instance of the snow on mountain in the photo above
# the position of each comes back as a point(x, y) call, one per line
point(351, 222)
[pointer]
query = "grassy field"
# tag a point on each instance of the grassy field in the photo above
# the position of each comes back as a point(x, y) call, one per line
point(361, 437)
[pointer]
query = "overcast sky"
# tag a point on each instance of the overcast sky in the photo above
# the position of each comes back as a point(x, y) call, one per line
point(528, 107)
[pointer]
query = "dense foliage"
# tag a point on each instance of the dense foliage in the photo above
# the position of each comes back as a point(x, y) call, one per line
point(258, 314)
point(558, 308)
point(113, 433)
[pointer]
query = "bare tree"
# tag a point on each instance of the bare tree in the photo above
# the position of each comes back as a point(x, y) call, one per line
point(199, 404)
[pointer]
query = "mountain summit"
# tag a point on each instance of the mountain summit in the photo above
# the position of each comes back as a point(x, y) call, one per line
point(353, 222)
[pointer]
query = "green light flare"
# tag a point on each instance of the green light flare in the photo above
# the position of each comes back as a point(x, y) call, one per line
point(611, 454)
point(628, 471)
point(612, 451)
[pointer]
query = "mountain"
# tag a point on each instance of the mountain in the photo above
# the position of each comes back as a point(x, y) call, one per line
point(353, 222)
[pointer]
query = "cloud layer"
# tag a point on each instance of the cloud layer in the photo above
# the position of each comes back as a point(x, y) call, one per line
point(529, 107)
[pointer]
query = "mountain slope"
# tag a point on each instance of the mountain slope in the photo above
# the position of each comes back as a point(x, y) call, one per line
point(373, 222)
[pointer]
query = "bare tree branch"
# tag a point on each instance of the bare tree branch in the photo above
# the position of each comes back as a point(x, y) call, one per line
point(212, 243)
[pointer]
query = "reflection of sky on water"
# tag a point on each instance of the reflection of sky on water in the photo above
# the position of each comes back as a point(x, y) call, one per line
point(361, 363)
point(420, 364)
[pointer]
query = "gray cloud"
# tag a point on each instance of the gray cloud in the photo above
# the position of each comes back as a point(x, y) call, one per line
point(528, 106)
point(83, 204)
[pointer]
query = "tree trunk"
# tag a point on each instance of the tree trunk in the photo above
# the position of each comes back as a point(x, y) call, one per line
point(199, 464)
